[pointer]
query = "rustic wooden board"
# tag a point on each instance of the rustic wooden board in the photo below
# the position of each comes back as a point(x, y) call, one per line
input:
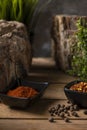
point(38, 110)
point(36, 116)
point(42, 125)
point(55, 91)
point(50, 75)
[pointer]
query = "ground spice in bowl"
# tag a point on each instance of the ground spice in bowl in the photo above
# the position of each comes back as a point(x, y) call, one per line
point(22, 91)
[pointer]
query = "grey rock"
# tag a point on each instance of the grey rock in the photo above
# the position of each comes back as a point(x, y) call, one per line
point(15, 52)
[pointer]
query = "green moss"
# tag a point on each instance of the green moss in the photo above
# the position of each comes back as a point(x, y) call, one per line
point(79, 57)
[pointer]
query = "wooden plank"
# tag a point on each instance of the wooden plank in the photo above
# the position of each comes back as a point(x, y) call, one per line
point(39, 110)
point(51, 75)
point(55, 91)
point(42, 125)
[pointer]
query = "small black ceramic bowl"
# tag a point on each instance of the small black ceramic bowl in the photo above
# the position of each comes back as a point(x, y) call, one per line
point(19, 102)
point(79, 98)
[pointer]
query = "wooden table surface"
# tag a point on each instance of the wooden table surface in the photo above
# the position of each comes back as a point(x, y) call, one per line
point(36, 117)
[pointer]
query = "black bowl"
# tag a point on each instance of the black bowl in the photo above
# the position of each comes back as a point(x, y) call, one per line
point(79, 98)
point(19, 102)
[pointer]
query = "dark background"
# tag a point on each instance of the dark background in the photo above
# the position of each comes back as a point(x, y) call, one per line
point(42, 39)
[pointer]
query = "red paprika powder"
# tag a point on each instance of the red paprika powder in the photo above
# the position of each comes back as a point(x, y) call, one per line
point(22, 91)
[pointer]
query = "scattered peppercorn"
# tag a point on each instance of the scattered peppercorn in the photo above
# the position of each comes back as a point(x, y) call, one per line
point(74, 114)
point(58, 105)
point(68, 101)
point(66, 119)
point(52, 114)
point(56, 112)
point(76, 107)
point(63, 106)
point(71, 108)
point(51, 119)
point(62, 114)
point(68, 114)
point(63, 111)
point(67, 107)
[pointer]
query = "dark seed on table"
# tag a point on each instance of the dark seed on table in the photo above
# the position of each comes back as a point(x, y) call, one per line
point(57, 109)
point(71, 108)
point(66, 119)
point(63, 106)
point(61, 109)
point(58, 106)
point(68, 108)
point(65, 111)
point(75, 114)
point(56, 112)
point(68, 114)
point(51, 119)
point(53, 110)
point(76, 107)
point(62, 114)
point(72, 113)
point(52, 114)
point(49, 110)
point(68, 101)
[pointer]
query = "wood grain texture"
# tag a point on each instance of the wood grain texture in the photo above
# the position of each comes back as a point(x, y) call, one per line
point(39, 110)
point(52, 75)
point(42, 125)
point(55, 91)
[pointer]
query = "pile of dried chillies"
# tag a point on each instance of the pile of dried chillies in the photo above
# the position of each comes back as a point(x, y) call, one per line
point(22, 91)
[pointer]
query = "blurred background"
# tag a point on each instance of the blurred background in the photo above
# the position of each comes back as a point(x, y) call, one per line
point(42, 43)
